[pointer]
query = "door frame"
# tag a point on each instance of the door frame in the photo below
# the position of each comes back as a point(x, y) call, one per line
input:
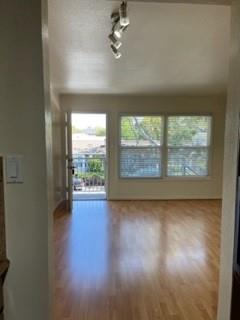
point(68, 159)
point(69, 155)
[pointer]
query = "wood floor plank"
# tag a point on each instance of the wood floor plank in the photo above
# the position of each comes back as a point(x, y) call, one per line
point(137, 260)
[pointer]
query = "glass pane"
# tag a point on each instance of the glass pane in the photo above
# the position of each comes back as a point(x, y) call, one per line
point(141, 131)
point(140, 162)
point(188, 162)
point(189, 131)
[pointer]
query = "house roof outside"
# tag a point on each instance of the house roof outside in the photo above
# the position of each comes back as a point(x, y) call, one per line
point(83, 143)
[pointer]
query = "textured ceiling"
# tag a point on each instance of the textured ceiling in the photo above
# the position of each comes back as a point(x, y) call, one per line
point(168, 49)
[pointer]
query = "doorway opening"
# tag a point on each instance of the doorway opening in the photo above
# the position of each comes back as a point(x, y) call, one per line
point(89, 156)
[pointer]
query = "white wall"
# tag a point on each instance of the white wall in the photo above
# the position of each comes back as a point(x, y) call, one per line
point(23, 131)
point(57, 151)
point(230, 169)
point(153, 188)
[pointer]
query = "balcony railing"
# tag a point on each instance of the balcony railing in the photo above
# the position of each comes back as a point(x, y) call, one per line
point(89, 173)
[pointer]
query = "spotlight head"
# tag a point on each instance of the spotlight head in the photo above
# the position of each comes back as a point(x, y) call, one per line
point(124, 19)
point(115, 16)
point(118, 30)
point(115, 52)
point(118, 33)
point(115, 42)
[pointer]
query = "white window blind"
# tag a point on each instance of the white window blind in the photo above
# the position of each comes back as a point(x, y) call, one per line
point(188, 145)
point(141, 146)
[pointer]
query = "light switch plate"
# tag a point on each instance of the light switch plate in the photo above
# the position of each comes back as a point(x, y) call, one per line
point(14, 169)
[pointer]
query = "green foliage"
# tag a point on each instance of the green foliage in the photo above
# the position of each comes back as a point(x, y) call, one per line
point(90, 175)
point(95, 165)
point(187, 130)
point(183, 130)
point(127, 129)
point(142, 128)
point(76, 130)
point(100, 132)
point(153, 127)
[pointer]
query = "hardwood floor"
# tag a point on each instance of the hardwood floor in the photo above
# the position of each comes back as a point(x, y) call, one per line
point(137, 260)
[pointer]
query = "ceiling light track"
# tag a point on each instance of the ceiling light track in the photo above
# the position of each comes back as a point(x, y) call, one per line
point(120, 22)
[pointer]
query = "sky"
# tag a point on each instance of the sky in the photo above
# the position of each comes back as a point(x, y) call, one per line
point(85, 120)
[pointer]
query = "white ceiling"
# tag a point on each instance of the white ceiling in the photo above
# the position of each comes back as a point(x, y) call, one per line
point(168, 48)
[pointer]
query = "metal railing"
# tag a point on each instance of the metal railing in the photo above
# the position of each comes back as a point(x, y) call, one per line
point(89, 173)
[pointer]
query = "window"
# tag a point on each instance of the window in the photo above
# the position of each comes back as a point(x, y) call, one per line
point(188, 141)
point(141, 146)
point(145, 152)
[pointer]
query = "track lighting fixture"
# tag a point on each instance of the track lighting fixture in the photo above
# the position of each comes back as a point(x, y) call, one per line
point(115, 17)
point(124, 19)
point(118, 31)
point(120, 22)
point(115, 52)
point(115, 42)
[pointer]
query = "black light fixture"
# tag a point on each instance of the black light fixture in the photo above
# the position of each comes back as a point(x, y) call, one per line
point(120, 22)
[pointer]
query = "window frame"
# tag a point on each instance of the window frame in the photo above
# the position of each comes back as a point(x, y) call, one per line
point(160, 147)
point(208, 148)
point(164, 147)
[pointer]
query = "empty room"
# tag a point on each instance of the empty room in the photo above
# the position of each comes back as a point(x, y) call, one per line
point(151, 249)
point(119, 160)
